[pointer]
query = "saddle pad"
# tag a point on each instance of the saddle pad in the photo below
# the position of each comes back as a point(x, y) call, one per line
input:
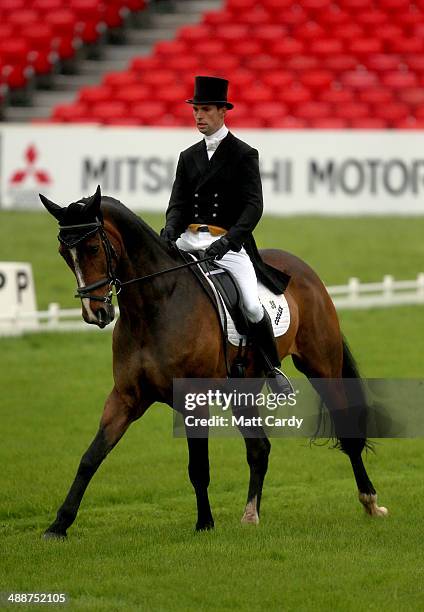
point(277, 308)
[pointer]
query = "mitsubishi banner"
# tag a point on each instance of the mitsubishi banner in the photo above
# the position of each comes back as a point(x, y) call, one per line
point(314, 172)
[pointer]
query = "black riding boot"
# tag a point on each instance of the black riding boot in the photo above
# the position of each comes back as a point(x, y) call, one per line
point(263, 337)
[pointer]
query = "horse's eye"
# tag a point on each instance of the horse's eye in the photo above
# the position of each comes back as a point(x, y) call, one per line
point(93, 249)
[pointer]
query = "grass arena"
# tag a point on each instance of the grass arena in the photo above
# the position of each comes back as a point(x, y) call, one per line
point(133, 546)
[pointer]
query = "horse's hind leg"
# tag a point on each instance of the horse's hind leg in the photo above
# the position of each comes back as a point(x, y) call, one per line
point(115, 420)
point(335, 397)
point(258, 448)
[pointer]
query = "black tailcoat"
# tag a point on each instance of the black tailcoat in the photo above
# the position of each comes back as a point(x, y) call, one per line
point(225, 191)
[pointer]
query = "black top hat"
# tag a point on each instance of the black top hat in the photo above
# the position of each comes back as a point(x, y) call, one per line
point(210, 90)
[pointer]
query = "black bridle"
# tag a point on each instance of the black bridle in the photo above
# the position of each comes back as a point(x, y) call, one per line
point(111, 280)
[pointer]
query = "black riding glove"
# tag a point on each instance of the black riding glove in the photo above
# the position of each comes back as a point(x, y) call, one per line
point(218, 248)
point(168, 235)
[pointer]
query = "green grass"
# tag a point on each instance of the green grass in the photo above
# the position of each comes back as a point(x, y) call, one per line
point(132, 546)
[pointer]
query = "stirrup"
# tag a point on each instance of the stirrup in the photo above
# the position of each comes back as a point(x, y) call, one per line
point(278, 382)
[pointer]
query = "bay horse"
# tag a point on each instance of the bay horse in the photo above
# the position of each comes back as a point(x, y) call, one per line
point(168, 329)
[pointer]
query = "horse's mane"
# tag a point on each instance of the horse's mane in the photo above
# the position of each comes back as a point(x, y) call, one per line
point(130, 225)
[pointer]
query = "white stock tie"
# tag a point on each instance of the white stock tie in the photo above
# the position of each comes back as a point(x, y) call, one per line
point(212, 144)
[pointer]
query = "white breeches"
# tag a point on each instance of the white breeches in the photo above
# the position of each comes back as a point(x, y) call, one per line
point(240, 266)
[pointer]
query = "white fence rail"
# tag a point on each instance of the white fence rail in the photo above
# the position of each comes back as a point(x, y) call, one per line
point(354, 295)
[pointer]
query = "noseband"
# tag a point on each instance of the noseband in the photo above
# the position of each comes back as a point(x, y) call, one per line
point(111, 280)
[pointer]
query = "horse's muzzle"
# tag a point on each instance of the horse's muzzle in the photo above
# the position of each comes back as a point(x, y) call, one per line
point(101, 316)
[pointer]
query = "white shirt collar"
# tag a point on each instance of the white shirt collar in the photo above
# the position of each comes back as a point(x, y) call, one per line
point(219, 134)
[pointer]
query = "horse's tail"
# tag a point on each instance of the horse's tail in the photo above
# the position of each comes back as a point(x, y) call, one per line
point(349, 433)
point(357, 405)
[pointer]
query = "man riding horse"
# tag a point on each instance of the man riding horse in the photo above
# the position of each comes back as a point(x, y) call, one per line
point(215, 204)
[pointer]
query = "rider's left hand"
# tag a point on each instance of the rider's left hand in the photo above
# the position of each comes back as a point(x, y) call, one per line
point(219, 248)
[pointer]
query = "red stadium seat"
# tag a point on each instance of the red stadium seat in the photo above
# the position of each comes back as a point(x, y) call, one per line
point(294, 95)
point(336, 96)
point(339, 63)
point(257, 17)
point(148, 112)
point(406, 45)
point(240, 5)
point(369, 123)
point(362, 47)
point(329, 123)
point(183, 64)
point(352, 110)
point(133, 94)
point(240, 79)
point(410, 123)
point(108, 111)
point(269, 111)
point(207, 48)
point(299, 63)
point(261, 64)
point(117, 80)
point(95, 94)
point(334, 16)
point(382, 62)
point(214, 18)
point(371, 19)
point(191, 33)
point(170, 95)
point(268, 34)
point(309, 31)
point(257, 93)
point(169, 48)
point(375, 95)
point(392, 111)
point(399, 80)
point(359, 79)
point(289, 123)
point(158, 78)
point(287, 47)
point(278, 79)
point(70, 112)
point(326, 46)
point(231, 33)
point(220, 65)
point(415, 62)
point(349, 31)
point(316, 79)
point(413, 96)
point(251, 123)
point(293, 15)
point(246, 48)
point(388, 32)
point(143, 65)
point(313, 110)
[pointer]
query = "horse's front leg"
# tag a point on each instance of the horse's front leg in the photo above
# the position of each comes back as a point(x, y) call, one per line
point(198, 470)
point(117, 416)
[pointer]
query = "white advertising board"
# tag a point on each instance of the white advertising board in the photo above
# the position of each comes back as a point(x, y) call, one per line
point(17, 297)
point(319, 172)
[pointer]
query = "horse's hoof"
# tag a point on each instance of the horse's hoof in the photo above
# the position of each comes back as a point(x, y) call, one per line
point(250, 516)
point(54, 535)
point(205, 526)
point(369, 501)
point(250, 519)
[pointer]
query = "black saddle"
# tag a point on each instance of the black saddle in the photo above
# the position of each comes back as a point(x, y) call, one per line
point(225, 286)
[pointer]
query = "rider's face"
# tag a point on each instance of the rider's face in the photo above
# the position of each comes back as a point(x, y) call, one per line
point(209, 118)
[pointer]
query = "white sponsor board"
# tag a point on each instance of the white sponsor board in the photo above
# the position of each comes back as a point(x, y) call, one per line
point(320, 172)
point(17, 297)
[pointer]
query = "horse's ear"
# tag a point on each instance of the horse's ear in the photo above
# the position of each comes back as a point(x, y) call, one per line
point(93, 205)
point(54, 209)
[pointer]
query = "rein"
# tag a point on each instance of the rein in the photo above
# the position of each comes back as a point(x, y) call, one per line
point(111, 279)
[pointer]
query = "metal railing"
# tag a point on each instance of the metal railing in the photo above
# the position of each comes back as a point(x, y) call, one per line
point(354, 295)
